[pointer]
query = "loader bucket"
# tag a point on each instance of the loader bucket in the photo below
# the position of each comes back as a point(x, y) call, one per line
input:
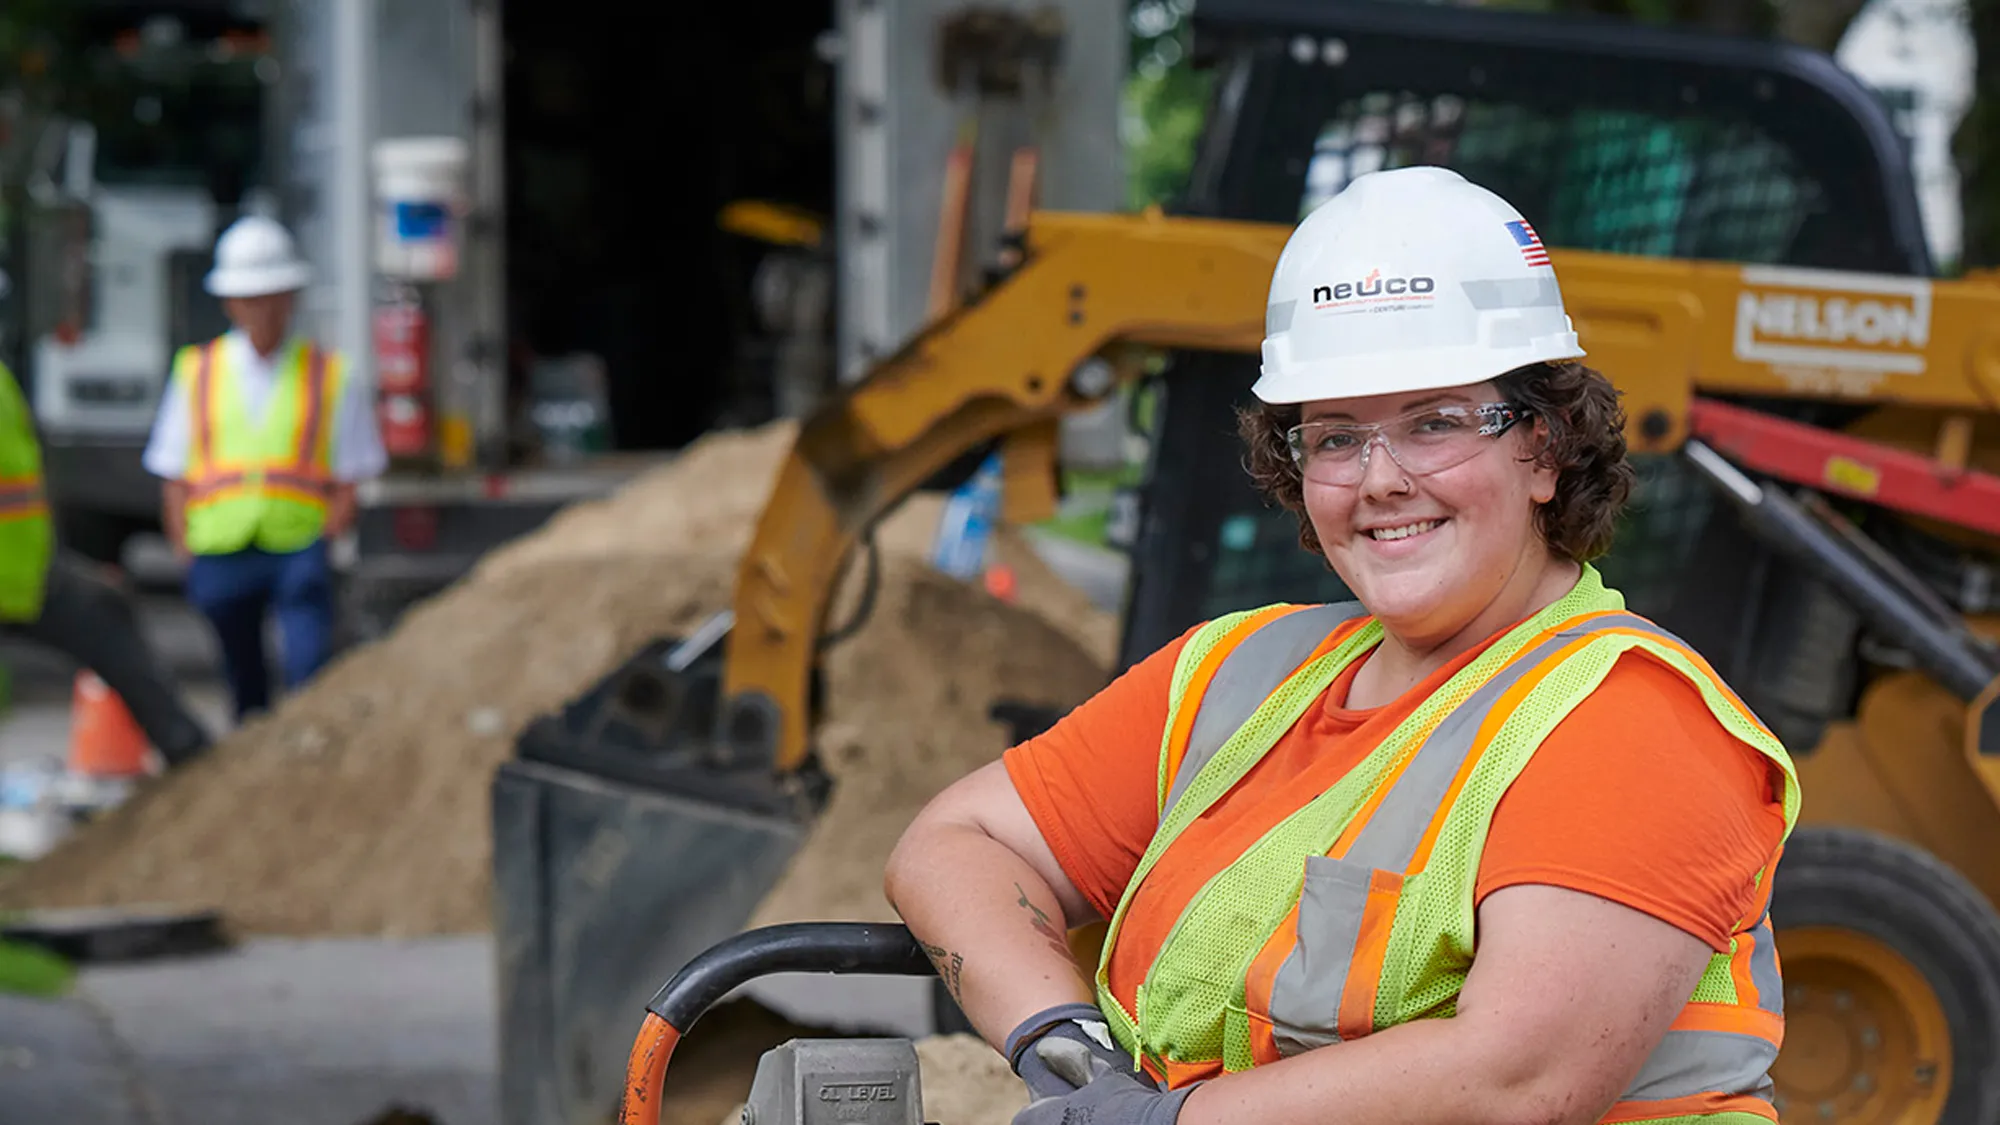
point(621, 850)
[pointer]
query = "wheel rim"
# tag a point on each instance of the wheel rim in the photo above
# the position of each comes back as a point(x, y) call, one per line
point(1866, 1040)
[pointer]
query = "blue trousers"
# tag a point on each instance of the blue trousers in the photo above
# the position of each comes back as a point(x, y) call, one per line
point(236, 591)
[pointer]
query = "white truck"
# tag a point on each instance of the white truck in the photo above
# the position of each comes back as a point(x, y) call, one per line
point(124, 201)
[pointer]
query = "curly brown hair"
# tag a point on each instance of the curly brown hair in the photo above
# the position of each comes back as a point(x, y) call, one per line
point(1585, 425)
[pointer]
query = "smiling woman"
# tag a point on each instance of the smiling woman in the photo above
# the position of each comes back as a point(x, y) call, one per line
point(1447, 543)
point(1480, 846)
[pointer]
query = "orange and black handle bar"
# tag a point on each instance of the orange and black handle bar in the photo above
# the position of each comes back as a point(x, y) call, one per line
point(881, 949)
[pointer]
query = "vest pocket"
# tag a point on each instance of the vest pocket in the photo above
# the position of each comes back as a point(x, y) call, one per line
point(1315, 980)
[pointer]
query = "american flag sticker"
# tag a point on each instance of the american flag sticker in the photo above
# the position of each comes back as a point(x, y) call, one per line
point(1529, 242)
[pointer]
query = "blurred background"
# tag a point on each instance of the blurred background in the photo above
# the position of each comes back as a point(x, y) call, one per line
point(593, 271)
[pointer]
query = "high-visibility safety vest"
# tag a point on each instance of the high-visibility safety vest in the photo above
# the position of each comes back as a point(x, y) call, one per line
point(260, 482)
point(27, 536)
point(1355, 913)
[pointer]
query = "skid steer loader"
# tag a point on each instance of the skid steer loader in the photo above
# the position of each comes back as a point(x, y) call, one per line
point(1814, 416)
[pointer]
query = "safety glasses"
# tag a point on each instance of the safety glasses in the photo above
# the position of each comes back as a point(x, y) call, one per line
point(1429, 440)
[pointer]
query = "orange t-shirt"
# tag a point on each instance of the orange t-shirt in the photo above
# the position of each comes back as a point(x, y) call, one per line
point(1639, 796)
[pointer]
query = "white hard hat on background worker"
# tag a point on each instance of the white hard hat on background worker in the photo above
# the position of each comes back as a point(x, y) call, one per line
point(1411, 279)
point(256, 257)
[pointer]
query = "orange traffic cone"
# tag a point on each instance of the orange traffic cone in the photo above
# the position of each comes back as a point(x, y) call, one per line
point(104, 739)
point(1001, 583)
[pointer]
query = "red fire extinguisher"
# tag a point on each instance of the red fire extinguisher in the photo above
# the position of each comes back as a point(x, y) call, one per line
point(402, 372)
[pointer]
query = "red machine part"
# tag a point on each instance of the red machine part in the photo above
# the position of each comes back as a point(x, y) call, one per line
point(1848, 466)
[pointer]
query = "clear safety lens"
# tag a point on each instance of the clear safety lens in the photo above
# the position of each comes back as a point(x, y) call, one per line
point(1423, 441)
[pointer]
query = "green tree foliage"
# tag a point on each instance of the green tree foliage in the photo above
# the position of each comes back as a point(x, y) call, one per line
point(1976, 146)
point(32, 63)
point(1166, 102)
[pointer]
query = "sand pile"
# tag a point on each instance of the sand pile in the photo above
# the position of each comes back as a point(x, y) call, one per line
point(360, 806)
point(906, 716)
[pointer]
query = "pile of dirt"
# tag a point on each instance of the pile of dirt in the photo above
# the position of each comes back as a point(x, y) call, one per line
point(361, 805)
point(964, 1082)
point(906, 716)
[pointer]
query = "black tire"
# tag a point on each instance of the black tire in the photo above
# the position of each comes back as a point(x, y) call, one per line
point(97, 536)
point(1905, 898)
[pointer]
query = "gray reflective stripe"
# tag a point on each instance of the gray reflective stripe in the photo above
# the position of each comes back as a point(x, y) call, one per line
point(1687, 1063)
point(1764, 966)
point(1306, 994)
point(1262, 662)
point(1305, 997)
point(1513, 293)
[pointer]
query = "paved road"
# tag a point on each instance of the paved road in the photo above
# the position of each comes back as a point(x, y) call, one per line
point(308, 1032)
point(317, 1032)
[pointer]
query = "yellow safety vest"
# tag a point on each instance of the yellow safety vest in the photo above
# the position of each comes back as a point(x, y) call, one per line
point(263, 482)
point(1356, 912)
point(27, 536)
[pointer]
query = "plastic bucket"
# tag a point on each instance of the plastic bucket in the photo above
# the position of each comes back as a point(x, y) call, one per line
point(419, 190)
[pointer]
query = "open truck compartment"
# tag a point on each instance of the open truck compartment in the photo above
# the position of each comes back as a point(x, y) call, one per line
point(604, 315)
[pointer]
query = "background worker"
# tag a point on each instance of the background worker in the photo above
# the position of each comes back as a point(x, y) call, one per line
point(1297, 819)
point(55, 598)
point(261, 438)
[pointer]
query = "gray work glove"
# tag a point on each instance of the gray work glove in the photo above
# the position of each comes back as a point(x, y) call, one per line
point(1075, 1023)
point(1102, 1095)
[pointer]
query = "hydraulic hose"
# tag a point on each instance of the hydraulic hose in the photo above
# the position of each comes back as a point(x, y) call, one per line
point(799, 947)
point(1944, 648)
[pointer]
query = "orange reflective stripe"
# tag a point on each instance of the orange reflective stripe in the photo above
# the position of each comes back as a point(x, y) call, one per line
point(298, 496)
point(19, 493)
point(22, 501)
point(1179, 1074)
point(1739, 968)
point(308, 440)
point(1696, 1105)
point(1257, 982)
point(204, 404)
point(310, 488)
point(1364, 977)
point(1263, 1041)
point(1712, 1016)
point(1198, 683)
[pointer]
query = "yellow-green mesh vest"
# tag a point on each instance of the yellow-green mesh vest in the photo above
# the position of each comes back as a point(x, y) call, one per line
point(1191, 1006)
point(258, 481)
point(27, 539)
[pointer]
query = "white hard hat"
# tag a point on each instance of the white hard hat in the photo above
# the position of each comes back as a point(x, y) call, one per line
point(1409, 280)
point(256, 257)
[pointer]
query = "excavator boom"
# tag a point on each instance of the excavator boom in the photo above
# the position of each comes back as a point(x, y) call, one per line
point(1095, 294)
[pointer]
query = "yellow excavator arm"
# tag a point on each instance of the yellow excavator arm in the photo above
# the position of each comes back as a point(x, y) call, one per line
point(1095, 294)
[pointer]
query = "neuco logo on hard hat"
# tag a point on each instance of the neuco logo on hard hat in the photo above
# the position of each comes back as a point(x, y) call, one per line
point(1414, 290)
